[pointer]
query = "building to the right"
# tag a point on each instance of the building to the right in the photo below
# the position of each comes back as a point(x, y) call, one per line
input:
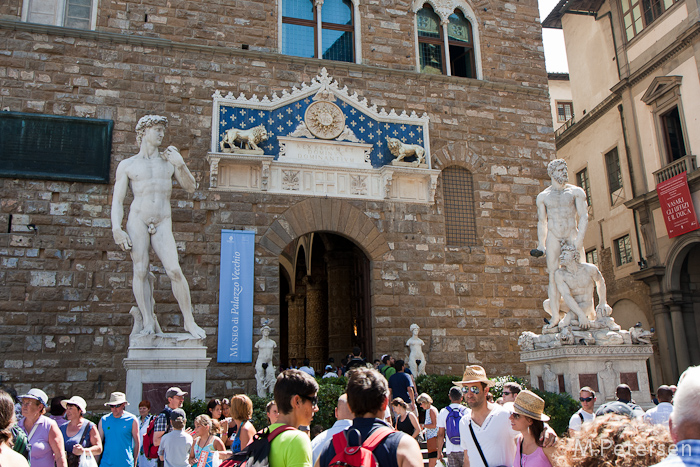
point(630, 144)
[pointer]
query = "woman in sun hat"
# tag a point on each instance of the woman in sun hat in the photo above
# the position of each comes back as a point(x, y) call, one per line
point(79, 435)
point(43, 433)
point(528, 418)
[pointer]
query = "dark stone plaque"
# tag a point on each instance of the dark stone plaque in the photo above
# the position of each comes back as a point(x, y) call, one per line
point(562, 386)
point(630, 379)
point(590, 380)
point(155, 394)
point(54, 147)
point(540, 383)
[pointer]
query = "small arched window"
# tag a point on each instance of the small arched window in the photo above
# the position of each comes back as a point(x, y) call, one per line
point(445, 49)
point(300, 29)
point(458, 196)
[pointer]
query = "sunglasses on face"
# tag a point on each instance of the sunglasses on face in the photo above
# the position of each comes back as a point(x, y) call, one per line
point(313, 400)
point(585, 399)
point(473, 389)
point(506, 393)
point(515, 416)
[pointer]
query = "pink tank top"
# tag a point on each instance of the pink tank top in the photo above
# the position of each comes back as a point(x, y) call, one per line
point(536, 459)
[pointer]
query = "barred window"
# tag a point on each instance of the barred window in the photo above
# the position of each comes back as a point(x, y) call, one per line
point(623, 250)
point(460, 218)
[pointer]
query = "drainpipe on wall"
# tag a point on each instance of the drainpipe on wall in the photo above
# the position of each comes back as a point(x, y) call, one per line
point(642, 262)
point(612, 31)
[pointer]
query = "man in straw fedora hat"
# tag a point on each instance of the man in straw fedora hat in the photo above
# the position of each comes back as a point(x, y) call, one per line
point(486, 436)
point(120, 432)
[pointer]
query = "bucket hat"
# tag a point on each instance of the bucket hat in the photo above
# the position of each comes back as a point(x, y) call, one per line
point(36, 394)
point(75, 400)
point(117, 398)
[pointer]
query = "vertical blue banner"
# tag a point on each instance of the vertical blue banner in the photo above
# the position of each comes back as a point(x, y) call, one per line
point(235, 343)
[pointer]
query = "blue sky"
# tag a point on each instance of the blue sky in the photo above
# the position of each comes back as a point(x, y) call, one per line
point(554, 51)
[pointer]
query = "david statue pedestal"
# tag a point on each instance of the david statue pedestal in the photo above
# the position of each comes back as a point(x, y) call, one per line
point(581, 344)
point(155, 357)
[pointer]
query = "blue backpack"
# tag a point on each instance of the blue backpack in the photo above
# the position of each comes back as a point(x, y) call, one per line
point(452, 423)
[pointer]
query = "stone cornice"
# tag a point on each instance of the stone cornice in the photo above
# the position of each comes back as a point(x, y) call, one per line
point(588, 119)
point(684, 40)
point(582, 351)
point(130, 39)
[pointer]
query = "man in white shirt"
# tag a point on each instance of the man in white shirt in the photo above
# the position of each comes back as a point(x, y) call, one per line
point(585, 414)
point(659, 415)
point(344, 419)
point(487, 424)
point(455, 454)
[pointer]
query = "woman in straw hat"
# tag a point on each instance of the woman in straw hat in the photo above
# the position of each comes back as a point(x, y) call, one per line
point(528, 418)
point(79, 435)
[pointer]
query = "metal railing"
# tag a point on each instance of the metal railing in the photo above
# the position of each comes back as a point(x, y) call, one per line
point(564, 127)
point(684, 164)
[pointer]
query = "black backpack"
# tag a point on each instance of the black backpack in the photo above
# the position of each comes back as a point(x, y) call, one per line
point(257, 452)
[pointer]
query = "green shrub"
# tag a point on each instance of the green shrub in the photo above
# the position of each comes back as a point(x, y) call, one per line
point(437, 387)
point(259, 419)
point(560, 407)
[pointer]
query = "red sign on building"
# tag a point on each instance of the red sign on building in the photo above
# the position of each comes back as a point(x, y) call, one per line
point(677, 205)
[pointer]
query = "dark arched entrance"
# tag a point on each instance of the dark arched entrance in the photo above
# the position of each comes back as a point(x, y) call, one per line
point(324, 299)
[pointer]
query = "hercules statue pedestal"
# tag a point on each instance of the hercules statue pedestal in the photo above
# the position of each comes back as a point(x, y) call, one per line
point(581, 345)
point(155, 357)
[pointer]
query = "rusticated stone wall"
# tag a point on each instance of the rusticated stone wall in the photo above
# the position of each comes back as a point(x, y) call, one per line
point(65, 289)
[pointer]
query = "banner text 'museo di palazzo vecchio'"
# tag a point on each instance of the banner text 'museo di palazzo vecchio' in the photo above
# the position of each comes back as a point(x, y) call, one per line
point(235, 344)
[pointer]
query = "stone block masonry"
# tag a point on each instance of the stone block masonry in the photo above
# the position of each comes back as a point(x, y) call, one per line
point(65, 288)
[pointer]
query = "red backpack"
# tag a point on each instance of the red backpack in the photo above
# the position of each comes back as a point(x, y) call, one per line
point(358, 456)
point(150, 450)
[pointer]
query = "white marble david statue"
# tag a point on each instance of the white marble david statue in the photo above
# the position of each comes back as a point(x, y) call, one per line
point(149, 174)
point(264, 369)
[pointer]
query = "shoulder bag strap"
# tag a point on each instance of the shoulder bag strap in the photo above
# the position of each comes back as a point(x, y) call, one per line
point(478, 446)
point(84, 431)
point(31, 433)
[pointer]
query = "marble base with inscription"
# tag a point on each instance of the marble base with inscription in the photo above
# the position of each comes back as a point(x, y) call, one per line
point(569, 368)
point(168, 359)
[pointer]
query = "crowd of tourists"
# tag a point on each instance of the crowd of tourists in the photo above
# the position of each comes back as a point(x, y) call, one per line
point(376, 416)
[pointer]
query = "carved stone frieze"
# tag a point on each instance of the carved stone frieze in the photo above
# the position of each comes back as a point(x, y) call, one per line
point(358, 185)
point(290, 180)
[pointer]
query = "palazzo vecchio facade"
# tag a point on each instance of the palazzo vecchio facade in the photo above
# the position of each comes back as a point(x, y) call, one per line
point(350, 249)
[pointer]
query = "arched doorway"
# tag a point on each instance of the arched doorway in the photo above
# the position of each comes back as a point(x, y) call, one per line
point(324, 299)
point(690, 290)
